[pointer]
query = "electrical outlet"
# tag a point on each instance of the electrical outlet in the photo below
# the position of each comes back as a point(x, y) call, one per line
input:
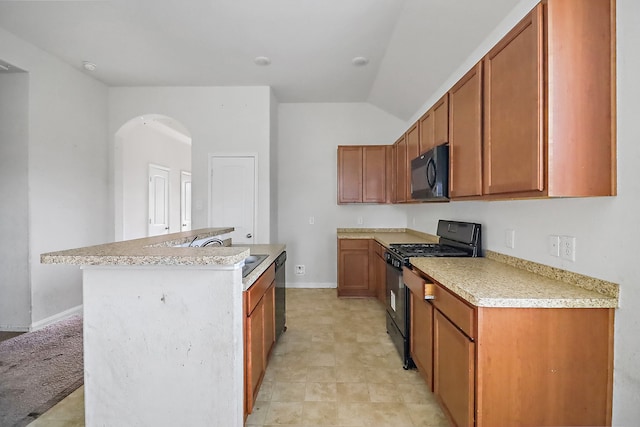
point(312, 220)
point(554, 245)
point(568, 248)
point(360, 220)
point(300, 270)
point(510, 238)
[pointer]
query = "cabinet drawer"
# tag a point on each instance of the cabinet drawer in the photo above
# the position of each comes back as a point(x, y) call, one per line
point(414, 282)
point(360, 244)
point(461, 314)
point(379, 249)
point(257, 290)
point(418, 286)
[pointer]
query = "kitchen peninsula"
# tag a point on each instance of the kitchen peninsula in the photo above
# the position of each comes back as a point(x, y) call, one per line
point(163, 328)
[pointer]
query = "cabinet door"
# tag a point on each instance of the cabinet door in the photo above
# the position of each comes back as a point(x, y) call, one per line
point(349, 174)
point(353, 268)
point(465, 129)
point(441, 121)
point(255, 353)
point(401, 170)
point(453, 371)
point(427, 134)
point(374, 165)
point(513, 108)
point(269, 321)
point(421, 342)
point(390, 174)
point(413, 151)
point(380, 267)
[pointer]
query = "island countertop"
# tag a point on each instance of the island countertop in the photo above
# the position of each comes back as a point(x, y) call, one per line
point(273, 251)
point(156, 250)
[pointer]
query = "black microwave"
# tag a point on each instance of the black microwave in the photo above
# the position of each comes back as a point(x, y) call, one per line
point(430, 174)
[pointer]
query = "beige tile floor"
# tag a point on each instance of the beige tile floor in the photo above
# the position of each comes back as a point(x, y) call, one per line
point(335, 366)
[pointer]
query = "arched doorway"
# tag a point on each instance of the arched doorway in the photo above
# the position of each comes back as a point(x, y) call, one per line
point(152, 177)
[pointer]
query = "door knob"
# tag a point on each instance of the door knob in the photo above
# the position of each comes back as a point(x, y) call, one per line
point(249, 235)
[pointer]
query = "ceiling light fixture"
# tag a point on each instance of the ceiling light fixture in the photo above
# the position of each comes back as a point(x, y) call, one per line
point(360, 61)
point(89, 66)
point(262, 60)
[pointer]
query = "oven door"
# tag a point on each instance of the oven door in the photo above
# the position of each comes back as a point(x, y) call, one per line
point(396, 298)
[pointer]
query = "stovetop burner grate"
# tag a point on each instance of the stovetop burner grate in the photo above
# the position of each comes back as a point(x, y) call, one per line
point(425, 250)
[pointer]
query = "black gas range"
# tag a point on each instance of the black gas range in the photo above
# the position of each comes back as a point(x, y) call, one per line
point(457, 239)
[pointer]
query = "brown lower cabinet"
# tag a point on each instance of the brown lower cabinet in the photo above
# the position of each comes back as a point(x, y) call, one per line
point(496, 366)
point(421, 336)
point(380, 268)
point(454, 370)
point(354, 268)
point(259, 333)
point(362, 269)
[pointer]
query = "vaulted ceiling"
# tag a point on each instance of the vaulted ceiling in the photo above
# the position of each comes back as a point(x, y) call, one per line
point(412, 46)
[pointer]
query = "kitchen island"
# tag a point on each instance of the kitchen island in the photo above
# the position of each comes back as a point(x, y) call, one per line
point(163, 329)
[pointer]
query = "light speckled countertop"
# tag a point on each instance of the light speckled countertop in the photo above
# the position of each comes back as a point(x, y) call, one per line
point(161, 250)
point(156, 250)
point(485, 282)
point(272, 250)
point(499, 280)
point(387, 236)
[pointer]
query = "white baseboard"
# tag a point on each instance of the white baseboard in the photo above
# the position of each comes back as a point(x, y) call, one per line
point(13, 328)
point(56, 317)
point(312, 285)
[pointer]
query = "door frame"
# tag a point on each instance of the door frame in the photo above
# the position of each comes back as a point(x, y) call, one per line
point(184, 173)
point(253, 155)
point(168, 192)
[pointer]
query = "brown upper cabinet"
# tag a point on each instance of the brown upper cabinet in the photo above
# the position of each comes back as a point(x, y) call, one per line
point(401, 173)
point(465, 135)
point(549, 104)
point(434, 125)
point(362, 174)
point(413, 151)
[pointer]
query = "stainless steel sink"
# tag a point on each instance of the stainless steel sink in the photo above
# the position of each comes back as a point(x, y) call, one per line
point(251, 262)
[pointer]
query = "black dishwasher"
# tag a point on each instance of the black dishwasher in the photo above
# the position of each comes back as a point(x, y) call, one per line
point(281, 316)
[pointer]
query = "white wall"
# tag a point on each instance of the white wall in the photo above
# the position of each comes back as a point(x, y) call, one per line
point(143, 145)
point(67, 171)
point(221, 120)
point(309, 135)
point(606, 229)
point(273, 168)
point(15, 293)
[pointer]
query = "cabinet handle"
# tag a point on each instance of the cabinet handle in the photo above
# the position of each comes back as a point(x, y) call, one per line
point(249, 235)
point(429, 291)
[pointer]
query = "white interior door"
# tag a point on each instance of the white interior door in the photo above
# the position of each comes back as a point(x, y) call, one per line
point(185, 201)
point(158, 200)
point(233, 196)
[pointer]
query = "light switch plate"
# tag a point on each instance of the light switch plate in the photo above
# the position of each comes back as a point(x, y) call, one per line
point(510, 238)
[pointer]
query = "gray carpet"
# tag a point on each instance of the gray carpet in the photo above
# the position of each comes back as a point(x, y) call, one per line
point(39, 369)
